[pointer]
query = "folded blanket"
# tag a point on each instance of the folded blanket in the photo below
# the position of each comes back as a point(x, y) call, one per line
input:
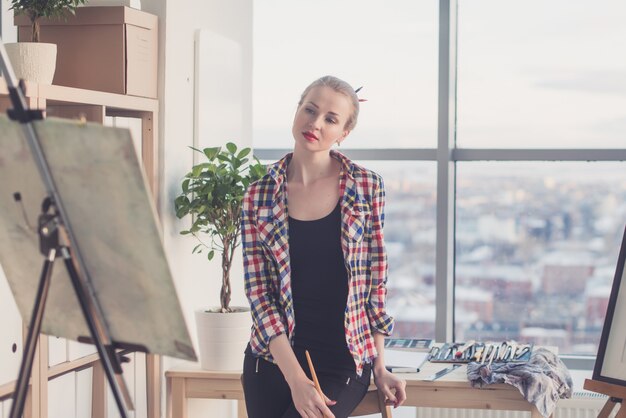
point(542, 381)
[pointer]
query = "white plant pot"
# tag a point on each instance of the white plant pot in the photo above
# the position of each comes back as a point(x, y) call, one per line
point(33, 61)
point(222, 338)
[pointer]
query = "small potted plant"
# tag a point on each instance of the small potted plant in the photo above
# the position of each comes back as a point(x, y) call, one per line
point(36, 61)
point(212, 193)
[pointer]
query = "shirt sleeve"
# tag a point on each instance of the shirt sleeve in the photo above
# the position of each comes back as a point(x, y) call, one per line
point(260, 291)
point(376, 304)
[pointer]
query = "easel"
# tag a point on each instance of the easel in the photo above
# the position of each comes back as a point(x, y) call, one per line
point(616, 394)
point(55, 241)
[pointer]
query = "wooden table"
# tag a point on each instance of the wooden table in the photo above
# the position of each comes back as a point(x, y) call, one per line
point(450, 391)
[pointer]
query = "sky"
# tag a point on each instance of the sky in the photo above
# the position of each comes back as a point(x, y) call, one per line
point(534, 73)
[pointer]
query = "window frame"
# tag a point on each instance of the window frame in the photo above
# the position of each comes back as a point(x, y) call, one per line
point(446, 155)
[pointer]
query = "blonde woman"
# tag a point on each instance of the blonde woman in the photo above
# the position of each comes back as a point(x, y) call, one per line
point(316, 270)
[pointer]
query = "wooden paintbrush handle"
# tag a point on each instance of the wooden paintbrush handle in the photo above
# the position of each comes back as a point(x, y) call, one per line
point(314, 376)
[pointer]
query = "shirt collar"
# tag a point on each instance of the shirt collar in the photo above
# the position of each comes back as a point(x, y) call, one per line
point(278, 170)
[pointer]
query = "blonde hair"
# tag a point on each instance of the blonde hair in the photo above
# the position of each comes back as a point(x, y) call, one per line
point(339, 86)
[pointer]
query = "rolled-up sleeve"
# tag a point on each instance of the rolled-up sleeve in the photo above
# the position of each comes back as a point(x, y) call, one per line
point(268, 322)
point(380, 321)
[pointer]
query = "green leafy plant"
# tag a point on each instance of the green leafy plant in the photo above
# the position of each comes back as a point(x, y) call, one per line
point(212, 193)
point(36, 9)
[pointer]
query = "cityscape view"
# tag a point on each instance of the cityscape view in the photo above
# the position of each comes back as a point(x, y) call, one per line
point(536, 249)
point(536, 243)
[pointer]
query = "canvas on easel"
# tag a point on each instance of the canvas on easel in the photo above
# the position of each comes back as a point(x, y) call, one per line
point(609, 374)
point(75, 193)
point(100, 180)
point(610, 364)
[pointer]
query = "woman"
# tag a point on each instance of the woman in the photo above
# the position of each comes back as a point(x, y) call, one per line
point(315, 270)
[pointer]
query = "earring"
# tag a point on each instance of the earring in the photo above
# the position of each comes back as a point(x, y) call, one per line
point(338, 143)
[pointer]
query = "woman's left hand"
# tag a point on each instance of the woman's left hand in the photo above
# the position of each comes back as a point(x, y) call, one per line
point(391, 386)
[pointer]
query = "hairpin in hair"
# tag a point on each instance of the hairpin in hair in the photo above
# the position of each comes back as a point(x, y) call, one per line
point(356, 91)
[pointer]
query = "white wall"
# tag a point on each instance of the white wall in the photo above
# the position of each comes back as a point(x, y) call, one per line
point(11, 330)
point(196, 279)
point(10, 337)
point(8, 33)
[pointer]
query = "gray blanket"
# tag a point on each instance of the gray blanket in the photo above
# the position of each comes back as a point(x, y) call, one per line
point(542, 381)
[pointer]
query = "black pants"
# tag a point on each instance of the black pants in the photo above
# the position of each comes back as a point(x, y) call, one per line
point(267, 393)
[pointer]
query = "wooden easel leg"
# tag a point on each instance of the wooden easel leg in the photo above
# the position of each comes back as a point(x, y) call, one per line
point(607, 409)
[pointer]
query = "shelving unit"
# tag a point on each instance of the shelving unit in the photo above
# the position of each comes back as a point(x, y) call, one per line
point(69, 102)
point(93, 106)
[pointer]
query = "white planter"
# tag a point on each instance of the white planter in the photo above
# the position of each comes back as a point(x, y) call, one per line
point(33, 61)
point(222, 338)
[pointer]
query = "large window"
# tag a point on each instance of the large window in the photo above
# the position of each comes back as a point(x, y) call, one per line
point(390, 49)
point(410, 241)
point(541, 74)
point(501, 122)
point(536, 250)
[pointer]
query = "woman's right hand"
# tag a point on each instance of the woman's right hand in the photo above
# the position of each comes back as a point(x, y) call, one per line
point(303, 393)
point(307, 401)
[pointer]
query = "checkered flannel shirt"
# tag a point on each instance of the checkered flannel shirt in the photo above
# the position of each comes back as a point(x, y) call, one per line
point(265, 239)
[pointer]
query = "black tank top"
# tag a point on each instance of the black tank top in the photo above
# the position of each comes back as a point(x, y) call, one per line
point(319, 284)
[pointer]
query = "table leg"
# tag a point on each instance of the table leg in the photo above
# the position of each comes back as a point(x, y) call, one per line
point(241, 409)
point(177, 398)
point(385, 410)
point(534, 413)
point(98, 392)
point(153, 385)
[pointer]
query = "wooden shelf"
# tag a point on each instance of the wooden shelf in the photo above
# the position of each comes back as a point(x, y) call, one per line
point(71, 95)
point(69, 102)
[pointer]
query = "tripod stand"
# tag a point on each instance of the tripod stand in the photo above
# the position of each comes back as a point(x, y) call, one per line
point(56, 238)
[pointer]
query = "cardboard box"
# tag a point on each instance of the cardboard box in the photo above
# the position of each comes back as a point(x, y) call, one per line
point(112, 48)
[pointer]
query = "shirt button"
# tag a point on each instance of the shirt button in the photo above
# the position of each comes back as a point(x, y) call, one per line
point(349, 339)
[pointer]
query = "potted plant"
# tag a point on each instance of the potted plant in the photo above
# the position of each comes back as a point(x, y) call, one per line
point(36, 61)
point(212, 193)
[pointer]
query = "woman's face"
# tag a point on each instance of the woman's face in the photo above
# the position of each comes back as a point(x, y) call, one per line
point(321, 119)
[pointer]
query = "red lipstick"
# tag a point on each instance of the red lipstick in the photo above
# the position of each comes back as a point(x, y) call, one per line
point(310, 136)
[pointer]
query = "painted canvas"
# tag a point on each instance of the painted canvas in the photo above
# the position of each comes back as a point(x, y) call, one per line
point(611, 360)
point(116, 230)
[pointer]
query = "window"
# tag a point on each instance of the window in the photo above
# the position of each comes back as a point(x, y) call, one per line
point(390, 49)
point(536, 250)
point(541, 74)
point(410, 207)
point(536, 99)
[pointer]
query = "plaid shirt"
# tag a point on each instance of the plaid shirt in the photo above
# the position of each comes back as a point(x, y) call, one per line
point(265, 239)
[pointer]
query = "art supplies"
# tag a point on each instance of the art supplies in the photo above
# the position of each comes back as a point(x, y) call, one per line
point(411, 344)
point(482, 352)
